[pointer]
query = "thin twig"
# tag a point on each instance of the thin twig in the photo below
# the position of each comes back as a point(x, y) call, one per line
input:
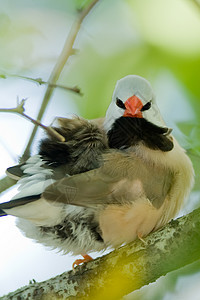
point(19, 109)
point(65, 54)
point(48, 129)
point(40, 81)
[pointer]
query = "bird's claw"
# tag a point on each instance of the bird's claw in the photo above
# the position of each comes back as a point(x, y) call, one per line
point(85, 258)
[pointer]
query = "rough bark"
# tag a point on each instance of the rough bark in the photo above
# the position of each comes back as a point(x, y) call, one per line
point(125, 269)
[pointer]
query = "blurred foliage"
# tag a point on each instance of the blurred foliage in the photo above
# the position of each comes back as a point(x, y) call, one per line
point(14, 46)
point(119, 37)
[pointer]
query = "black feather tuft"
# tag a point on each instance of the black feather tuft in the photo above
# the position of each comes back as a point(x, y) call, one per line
point(128, 131)
point(82, 149)
point(54, 152)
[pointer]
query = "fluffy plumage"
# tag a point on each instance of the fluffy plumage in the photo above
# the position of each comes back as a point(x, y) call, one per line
point(82, 150)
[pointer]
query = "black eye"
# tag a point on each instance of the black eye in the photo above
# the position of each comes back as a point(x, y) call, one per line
point(120, 103)
point(146, 106)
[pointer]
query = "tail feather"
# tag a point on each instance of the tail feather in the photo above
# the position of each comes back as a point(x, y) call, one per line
point(2, 213)
point(16, 203)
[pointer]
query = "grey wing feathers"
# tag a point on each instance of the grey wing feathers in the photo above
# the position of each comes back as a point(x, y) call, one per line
point(121, 180)
point(86, 189)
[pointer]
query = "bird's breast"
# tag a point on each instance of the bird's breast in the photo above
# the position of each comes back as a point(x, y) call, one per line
point(124, 223)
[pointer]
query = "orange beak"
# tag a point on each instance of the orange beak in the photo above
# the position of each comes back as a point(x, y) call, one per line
point(133, 107)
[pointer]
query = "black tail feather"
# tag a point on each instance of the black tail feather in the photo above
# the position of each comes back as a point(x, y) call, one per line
point(17, 202)
point(2, 213)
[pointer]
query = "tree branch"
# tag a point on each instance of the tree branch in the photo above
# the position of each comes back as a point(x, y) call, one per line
point(126, 269)
point(19, 109)
point(65, 54)
point(39, 81)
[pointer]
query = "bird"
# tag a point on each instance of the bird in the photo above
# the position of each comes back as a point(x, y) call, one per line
point(133, 181)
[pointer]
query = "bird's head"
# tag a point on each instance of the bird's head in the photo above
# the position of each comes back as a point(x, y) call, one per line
point(133, 116)
point(133, 97)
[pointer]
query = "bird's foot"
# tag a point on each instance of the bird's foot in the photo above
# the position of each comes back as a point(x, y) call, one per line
point(85, 258)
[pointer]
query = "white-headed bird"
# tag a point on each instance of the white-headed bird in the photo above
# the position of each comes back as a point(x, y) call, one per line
point(113, 180)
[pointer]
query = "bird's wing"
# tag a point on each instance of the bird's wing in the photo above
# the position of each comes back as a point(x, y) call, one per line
point(34, 176)
point(85, 189)
point(121, 180)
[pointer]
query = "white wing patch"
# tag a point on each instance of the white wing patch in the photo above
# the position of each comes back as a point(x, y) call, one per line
point(37, 178)
point(33, 188)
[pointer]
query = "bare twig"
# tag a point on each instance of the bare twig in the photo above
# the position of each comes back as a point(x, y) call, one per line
point(19, 109)
point(65, 54)
point(39, 81)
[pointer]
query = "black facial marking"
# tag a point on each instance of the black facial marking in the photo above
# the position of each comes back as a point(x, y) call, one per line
point(128, 131)
point(120, 103)
point(147, 106)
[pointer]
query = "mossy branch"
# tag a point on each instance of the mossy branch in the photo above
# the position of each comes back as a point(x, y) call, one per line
point(125, 269)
